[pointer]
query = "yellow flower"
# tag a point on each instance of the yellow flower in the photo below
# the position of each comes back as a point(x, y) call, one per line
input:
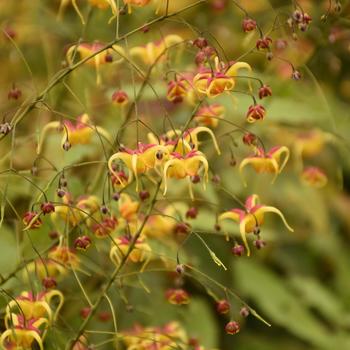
point(210, 115)
point(101, 4)
point(150, 53)
point(23, 333)
point(128, 208)
point(78, 133)
point(85, 50)
point(137, 3)
point(314, 177)
point(121, 245)
point(269, 162)
point(181, 167)
point(34, 306)
point(139, 161)
point(251, 217)
point(214, 82)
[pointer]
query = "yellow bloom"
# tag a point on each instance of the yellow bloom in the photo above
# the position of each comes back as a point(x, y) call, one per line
point(150, 53)
point(214, 82)
point(34, 306)
point(210, 115)
point(251, 217)
point(101, 4)
point(181, 167)
point(114, 55)
point(269, 162)
point(128, 208)
point(137, 3)
point(121, 245)
point(78, 133)
point(23, 333)
point(314, 177)
point(139, 161)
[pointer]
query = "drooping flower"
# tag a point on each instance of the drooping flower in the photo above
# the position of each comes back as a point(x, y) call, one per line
point(152, 52)
point(314, 177)
point(210, 115)
point(100, 57)
point(251, 217)
point(177, 296)
point(100, 4)
point(79, 132)
point(181, 167)
point(213, 83)
point(270, 162)
point(34, 306)
point(121, 245)
point(255, 113)
point(23, 333)
point(139, 160)
point(137, 3)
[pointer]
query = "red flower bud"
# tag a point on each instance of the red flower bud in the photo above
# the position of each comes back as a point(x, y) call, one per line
point(84, 312)
point(200, 43)
point(238, 250)
point(120, 97)
point(47, 208)
point(265, 91)
point(248, 25)
point(82, 243)
point(177, 296)
point(144, 195)
point(264, 43)
point(223, 306)
point(192, 213)
point(232, 327)
point(49, 282)
point(249, 139)
point(255, 112)
point(29, 216)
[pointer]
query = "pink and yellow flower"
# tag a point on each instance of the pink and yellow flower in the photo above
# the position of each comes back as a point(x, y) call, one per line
point(210, 115)
point(181, 167)
point(23, 333)
point(33, 306)
point(79, 132)
point(138, 161)
point(251, 217)
point(271, 162)
point(100, 57)
point(140, 252)
point(151, 53)
point(314, 177)
point(213, 83)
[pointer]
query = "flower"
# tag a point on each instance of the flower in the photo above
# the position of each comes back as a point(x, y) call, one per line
point(140, 160)
point(223, 306)
point(23, 333)
point(99, 55)
point(181, 167)
point(101, 4)
point(232, 327)
point(209, 115)
point(137, 3)
point(139, 253)
point(120, 98)
point(79, 132)
point(31, 219)
point(150, 53)
point(248, 24)
point(269, 162)
point(251, 217)
point(263, 43)
point(177, 90)
point(314, 177)
point(265, 91)
point(214, 82)
point(255, 112)
point(34, 306)
point(177, 296)
point(106, 227)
